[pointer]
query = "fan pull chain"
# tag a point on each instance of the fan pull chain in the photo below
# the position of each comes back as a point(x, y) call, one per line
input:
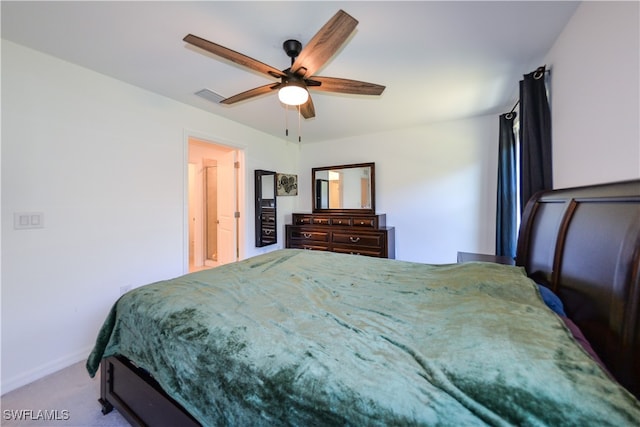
point(299, 119)
point(286, 120)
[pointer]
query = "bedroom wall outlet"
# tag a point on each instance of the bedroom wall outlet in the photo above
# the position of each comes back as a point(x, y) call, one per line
point(25, 220)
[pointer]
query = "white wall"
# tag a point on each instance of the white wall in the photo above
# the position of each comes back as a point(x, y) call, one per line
point(435, 183)
point(595, 95)
point(106, 164)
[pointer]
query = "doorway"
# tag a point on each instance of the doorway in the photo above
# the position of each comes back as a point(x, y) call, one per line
point(214, 173)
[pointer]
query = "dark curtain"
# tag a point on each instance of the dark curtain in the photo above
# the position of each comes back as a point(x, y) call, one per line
point(506, 232)
point(535, 136)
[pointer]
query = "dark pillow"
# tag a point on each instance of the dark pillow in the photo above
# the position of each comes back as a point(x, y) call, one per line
point(554, 303)
point(551, 300)
point(580, 338)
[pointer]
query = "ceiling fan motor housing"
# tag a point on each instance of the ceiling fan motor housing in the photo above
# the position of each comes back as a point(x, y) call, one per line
point(292, 48)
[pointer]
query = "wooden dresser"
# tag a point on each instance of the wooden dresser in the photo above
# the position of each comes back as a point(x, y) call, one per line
point(360, 234)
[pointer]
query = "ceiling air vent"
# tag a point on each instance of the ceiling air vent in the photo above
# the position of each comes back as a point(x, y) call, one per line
point(210, 95)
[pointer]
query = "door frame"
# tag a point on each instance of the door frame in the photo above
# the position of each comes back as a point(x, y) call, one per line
point(240, 191)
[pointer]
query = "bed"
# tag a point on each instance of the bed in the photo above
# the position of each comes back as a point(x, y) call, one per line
point(296, 337)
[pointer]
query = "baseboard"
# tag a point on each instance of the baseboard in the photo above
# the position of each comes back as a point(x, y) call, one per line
point(17, 381)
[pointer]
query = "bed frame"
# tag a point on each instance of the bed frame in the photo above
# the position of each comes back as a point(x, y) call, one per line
point(583, 242)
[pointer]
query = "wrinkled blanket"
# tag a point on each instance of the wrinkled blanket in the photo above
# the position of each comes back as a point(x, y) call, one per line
point(296, 337)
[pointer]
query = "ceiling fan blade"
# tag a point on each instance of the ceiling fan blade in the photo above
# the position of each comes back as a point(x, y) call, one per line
point(307, 110)
point(324, 44)
point(333, 84)
point(251, 93)
point(233, 56)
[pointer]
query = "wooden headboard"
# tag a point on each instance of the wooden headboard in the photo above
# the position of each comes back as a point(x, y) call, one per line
point(584, 243)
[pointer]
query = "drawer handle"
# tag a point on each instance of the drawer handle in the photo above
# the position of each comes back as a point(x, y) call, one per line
point(267, 232)
point(361, 222)
point(354, 239)
point(306, 235)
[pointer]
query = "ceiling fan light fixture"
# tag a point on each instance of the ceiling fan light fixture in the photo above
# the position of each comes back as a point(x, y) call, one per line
point(293, 93)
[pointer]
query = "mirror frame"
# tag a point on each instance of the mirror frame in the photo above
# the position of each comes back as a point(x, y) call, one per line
point(268, 205)
point(371, 210)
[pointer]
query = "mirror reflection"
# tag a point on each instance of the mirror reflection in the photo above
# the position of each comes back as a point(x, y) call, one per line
point(345, 187)
point(268, 187)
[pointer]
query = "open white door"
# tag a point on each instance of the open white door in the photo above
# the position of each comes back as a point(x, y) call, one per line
point(192, 215)
point(227, 208)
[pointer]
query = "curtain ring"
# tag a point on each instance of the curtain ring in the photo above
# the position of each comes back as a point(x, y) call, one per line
point(539, 73)
point(508, 116)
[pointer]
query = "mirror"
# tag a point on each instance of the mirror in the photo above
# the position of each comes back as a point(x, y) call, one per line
point(344, 188)
point(265, 182)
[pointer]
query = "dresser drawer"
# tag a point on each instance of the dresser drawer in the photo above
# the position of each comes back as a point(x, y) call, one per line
point(314, 247)
point(301, 219)
point(342, 221)
point(373, 239)
point(309, 236)
point(308, 244)
point(368, 222)
point(357, 250)
point(320, 220)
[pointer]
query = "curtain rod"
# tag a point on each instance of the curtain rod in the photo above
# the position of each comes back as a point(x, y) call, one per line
point(541, 69)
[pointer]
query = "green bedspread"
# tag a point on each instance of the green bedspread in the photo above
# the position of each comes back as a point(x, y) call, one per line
point(307, 338)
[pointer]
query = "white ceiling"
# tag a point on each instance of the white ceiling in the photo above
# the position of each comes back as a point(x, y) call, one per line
point(438, 60)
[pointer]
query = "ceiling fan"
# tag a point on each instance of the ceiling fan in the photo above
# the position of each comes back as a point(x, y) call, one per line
point(304, 63)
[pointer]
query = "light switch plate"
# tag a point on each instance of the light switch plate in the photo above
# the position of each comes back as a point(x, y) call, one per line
point(25, 220)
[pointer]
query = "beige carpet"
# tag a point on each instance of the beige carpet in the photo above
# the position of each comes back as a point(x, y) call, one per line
point(63, 399)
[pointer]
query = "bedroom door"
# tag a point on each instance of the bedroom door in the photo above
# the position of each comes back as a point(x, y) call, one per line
point(210, 172)
point(228, 208)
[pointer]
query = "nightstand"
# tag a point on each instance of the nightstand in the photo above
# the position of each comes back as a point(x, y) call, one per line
point(471, 256)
